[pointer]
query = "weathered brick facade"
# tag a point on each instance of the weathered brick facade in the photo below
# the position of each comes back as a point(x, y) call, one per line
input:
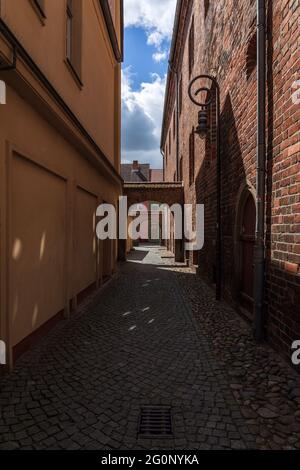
point(225, 46)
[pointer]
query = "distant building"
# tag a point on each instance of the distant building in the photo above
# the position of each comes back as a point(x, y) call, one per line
point(156, 176)
point(136, 172)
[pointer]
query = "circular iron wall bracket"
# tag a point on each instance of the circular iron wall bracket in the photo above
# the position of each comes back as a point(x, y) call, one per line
point(196, 93)
point(202, 88)
point(193, 97)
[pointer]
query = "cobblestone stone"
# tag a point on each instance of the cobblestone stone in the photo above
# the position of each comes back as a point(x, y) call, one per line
point(267, 389)
point(155, 335)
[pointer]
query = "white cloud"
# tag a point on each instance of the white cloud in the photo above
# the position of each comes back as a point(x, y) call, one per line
point(159, 56)
point(155, 39)
point(142, 110)
point(155, 16)
point(142, 118)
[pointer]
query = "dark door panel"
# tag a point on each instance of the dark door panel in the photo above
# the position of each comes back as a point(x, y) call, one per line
point(247, 239)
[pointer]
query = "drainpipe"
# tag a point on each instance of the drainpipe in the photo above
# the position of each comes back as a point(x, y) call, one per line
point(177, 127)
point(259, 252)
point(164, 163)
point(177, 119)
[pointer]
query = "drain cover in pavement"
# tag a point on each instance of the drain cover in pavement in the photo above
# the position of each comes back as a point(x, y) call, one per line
point(155, 421)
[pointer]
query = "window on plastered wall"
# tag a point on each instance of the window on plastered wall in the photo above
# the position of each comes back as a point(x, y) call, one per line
point(74, 36)
point(112, 7)
point(69, 29)
point(192, 156)
point(170, 142)
point(251, 55)
point(191, 47)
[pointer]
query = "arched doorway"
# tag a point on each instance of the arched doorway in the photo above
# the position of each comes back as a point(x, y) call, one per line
point(170, 193)
point(247, 241)
point(150, 221)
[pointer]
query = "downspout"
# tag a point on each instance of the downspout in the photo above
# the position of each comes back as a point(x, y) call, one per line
point(164, 164)
point(177, 128)
point(259, 252)
point(177, 119)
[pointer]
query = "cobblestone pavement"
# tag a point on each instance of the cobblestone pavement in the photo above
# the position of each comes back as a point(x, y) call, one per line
point(153, 336)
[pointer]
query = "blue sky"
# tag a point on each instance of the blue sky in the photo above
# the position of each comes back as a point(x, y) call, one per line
point(148, 31)
point(139, 56)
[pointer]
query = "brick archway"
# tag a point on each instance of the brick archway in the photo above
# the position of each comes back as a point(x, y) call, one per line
point(164, 193)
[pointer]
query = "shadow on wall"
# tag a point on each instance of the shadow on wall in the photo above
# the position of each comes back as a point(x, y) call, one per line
point(233, 178)
point(238, 156)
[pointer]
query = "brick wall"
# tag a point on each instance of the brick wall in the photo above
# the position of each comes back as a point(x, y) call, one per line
point(225, 45)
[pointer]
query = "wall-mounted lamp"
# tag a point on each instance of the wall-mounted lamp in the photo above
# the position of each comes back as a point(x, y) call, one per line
point(203, 127)
point(202, 130)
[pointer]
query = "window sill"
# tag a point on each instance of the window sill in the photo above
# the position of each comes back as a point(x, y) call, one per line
point(74, 73)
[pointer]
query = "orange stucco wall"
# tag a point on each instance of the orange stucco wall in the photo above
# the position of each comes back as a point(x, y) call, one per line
point(46, 43)
point(37, 246)
point(52, 178)
point(50, 198)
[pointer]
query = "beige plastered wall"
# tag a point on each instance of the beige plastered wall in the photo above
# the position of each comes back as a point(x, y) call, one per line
point(49, 195)
point(51, 177)
point(46, 43)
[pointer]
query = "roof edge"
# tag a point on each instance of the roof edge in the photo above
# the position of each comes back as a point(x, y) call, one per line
point(181, 7)
point(170, 61)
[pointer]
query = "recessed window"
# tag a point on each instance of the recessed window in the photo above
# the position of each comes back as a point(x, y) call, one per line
point(251, 55)
point(192, 156)
point(69, 29)
point(40, 4)
point(112, 6)
point(74, 36)
point(191, 48)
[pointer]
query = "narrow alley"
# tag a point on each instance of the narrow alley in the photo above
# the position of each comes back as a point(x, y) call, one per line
point(150, 339)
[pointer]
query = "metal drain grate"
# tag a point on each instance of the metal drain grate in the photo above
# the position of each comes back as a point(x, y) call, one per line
point(155, 421)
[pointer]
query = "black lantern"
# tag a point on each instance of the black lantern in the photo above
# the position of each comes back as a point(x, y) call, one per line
point(203, 127)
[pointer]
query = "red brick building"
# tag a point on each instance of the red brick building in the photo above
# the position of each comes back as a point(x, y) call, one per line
point(220, 38)
point(137, 172)
point(140, 173)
